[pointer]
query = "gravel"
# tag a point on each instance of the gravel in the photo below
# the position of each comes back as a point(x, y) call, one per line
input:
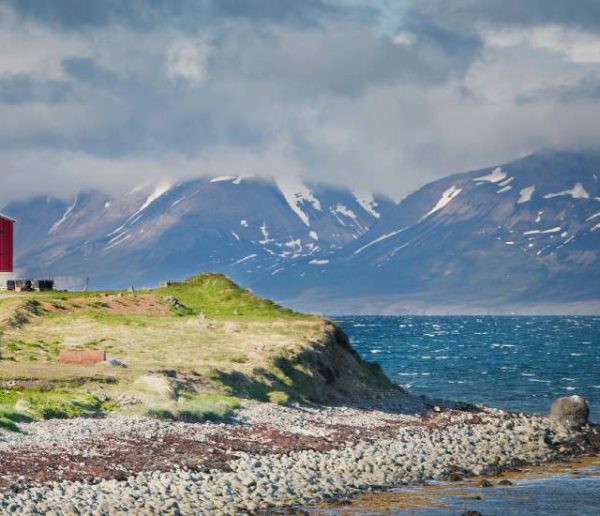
point(268, 457)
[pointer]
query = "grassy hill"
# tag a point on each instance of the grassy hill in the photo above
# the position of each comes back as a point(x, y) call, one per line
point(190, 351)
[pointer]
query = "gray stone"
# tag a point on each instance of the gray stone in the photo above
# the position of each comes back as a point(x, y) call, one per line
point(113, 362)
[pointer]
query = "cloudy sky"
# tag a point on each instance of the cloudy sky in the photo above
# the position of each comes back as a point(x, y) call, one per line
point(373, 94)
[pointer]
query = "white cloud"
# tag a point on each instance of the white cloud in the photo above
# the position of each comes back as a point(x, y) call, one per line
point(336, 101)
point(187, 59)
point(34, 49)
point(574, 45)
point(403, 38)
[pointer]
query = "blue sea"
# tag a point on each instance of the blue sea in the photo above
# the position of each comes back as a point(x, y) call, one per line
point(513, 363)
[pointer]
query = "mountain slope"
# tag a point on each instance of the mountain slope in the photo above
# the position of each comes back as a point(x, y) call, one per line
point(170, 231)
point(524, 233)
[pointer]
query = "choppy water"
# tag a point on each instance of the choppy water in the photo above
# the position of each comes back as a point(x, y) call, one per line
point(514, 363)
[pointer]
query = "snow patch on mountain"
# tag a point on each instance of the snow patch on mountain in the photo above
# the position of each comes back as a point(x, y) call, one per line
point(265, 233)
point(118, 240)
point(444, 200)
point(340, 209)
point(296, 193)
point(541, 232)
point(379, 239)
point(314, 235)
point(577, 192)
point(495, 176)
point(296, 245)
point(233, 179)
point(505, 189)
point(319, 262)
point(244, 259)
point(368, 203)
point(64, 218)
point(158, 192)
point(525, 194)
point(343, 210)
point(594, 216)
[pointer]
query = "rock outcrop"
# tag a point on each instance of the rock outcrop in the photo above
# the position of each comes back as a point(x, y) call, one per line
point(573, 411)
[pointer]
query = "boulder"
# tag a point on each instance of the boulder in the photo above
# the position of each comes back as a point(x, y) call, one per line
point(113, 362)
point(573, 411)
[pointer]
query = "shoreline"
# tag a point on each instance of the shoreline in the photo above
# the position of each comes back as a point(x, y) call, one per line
point(266, 457)
point(458, 496)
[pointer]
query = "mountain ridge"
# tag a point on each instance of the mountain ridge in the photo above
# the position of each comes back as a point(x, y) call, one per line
point(507, 238)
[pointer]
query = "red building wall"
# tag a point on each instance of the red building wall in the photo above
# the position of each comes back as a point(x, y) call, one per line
point(6, 245)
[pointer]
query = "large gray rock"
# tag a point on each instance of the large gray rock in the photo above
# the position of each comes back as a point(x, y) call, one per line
point(572, 411)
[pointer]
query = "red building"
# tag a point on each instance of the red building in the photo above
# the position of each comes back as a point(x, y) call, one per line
point(7, 226)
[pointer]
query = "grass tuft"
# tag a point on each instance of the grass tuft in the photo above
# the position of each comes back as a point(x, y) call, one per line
point(9, 417)
point(195, 409)
point(54, 404)
point(279, 397)
point(209, 407)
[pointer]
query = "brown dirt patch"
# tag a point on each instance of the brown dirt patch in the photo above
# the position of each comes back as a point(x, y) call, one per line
point(126, 304)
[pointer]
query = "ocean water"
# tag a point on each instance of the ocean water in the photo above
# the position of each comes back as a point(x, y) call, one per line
point(514, 363)
point(563, 492)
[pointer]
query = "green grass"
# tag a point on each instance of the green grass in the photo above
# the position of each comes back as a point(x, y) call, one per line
point(30, 351)
point(9, 417)
point(52, 404)
point(247, 347)
point(140, 321)
point(195, 409)
point(209, 407)
point(217, 297)
point(278, 397)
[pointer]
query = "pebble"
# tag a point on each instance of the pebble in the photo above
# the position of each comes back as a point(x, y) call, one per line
point(415, 453)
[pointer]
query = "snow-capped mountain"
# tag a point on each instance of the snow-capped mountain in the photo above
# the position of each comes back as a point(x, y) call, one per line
point(166, 231)
point(526, 233)
point(522, 236)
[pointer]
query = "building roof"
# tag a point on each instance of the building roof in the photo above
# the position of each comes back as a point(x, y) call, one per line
point(2, 216)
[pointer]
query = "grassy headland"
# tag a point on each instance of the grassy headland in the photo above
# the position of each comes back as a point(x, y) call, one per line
point(189, 352)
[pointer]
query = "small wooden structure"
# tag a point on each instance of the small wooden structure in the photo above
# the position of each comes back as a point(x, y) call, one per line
point(83, 357)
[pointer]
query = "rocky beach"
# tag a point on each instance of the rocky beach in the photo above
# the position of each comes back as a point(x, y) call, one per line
point(268, 457)
point(213, 401)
